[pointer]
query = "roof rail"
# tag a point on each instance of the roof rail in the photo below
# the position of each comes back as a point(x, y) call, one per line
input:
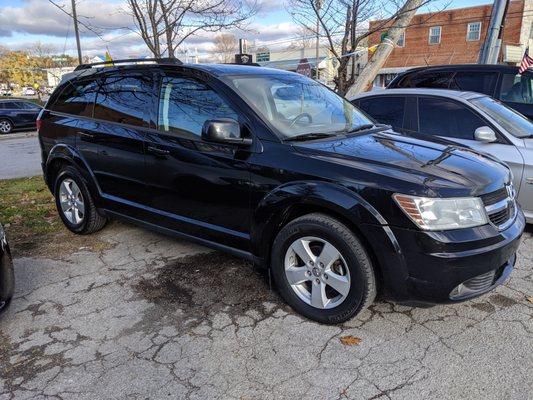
point(167, 61)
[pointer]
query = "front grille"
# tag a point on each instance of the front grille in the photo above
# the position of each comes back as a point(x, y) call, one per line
point(500, 206)
point(494, 197)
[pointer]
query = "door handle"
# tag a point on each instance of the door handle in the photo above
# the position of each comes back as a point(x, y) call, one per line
point(86, 135)
point(157, 151)
point(529, 181)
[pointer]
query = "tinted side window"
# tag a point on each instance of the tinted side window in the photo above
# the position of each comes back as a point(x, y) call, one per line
point(481, 82)
point(77, 98)
point(185, 104)
point(10, 105)
point(387, 110)
point(440, 80)
point(125, 99)
point(447, 118)
point(27, 106)
point(517, 88)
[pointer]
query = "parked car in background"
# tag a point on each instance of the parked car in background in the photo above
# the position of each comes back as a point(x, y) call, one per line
point(28, 91)
point(336, 207)
point(472, 119)
point(499, 81)
point(7, 275)
point(17, 114)
point(6, 92)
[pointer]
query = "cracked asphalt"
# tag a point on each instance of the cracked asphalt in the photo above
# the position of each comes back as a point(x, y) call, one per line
point(152, 317)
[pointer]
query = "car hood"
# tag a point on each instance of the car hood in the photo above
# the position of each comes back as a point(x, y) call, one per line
point(436, 164)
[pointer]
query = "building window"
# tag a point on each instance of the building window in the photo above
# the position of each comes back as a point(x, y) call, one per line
point(473, 32)
point(401, 40)
point(434, 35)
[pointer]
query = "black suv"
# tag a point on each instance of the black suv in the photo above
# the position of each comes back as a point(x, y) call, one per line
point(276, 168)
point(499, 81)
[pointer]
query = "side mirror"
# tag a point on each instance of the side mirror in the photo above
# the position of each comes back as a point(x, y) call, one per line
point(224, 130)
point(485, 134)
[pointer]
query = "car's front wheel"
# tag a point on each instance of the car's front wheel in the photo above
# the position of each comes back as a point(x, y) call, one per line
point(6, 126)
point(322, 269)
point(75, 204)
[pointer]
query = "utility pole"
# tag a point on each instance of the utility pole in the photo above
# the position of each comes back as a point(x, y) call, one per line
point(371, 69)
point(491, 48)
point(76, 31)
point(318, 5)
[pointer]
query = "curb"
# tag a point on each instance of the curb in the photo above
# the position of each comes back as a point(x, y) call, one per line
point(18, 135)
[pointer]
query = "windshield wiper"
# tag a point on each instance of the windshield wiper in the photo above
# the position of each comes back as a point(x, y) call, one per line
point(363, 127)
point(309, 136)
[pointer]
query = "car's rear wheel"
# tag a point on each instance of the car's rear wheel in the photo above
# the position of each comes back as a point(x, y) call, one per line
point(322, 270)
point(6, 126)
point(75, 204)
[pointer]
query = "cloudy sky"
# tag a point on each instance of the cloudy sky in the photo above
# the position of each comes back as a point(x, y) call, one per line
point(24, 22)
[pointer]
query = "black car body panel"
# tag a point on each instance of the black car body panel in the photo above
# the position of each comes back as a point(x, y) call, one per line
point(236, 198)
point(22, 114)
point(7, 274)
point(494, 80)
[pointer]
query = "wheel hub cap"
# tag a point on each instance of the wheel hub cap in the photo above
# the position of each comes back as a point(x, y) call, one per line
point(317, 272)
point(71, 200)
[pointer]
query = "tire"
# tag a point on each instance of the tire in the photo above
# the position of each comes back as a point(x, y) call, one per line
point(352, 272)
point(7, 280)
point(82, 223)
point(6, 126)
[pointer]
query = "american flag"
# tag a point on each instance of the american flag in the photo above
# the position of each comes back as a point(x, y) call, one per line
point(527, 62)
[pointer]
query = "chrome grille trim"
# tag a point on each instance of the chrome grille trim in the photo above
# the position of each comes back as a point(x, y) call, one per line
point(501, 210)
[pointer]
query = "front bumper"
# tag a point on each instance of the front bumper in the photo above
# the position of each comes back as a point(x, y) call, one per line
point(448, 266)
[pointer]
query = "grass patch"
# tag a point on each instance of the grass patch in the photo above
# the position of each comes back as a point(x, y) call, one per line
point(33, 227)
point(27, 209)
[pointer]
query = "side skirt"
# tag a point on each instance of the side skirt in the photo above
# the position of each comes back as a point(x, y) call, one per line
point(207, 243)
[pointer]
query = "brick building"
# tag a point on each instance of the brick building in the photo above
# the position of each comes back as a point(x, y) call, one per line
point(455, 37)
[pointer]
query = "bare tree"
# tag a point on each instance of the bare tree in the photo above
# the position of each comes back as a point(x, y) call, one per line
point(339, 24)
point(42, 50)
point(226, 46)
point(304, 39)
point(165, 24)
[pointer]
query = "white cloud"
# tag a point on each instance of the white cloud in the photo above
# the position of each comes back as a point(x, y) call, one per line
point(40, 17)
point(35, 20)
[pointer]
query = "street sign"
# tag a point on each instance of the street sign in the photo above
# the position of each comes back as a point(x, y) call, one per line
point(304, 68)
point(262, 57)
point(243, 59)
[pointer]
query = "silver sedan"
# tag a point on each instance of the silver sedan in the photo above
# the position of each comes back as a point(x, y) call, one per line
point(472, 119)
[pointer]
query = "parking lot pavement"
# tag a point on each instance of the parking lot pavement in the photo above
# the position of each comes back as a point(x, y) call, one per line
point(152, 317)
point(20, 155)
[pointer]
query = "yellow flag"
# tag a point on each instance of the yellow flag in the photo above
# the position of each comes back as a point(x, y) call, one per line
point(108, 58)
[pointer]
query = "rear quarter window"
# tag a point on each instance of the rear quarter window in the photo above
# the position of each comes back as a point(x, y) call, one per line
point(76, 98)
point(386, 109)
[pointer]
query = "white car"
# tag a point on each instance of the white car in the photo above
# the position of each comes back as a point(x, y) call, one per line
point(28, 91)
point(472, 119)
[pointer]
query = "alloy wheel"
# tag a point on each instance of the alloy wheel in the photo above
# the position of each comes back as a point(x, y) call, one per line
point(5, 126)
point(317, 272)
point(71, 200)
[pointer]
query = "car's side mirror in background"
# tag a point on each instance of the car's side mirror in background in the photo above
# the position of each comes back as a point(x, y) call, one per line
point(224, 130)
point(485, 134)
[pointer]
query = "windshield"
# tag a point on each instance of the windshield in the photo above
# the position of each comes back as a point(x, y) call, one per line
point(513, 122)
point(295, 105)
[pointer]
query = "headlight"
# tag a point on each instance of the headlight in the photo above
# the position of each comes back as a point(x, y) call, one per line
point(436, 214)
